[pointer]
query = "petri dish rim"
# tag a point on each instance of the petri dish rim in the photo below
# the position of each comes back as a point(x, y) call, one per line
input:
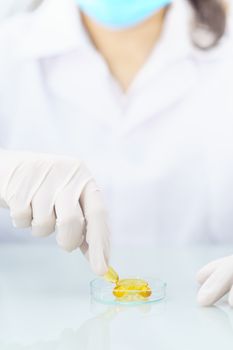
point(101, 291)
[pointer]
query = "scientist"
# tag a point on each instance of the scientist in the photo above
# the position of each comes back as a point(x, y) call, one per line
point(141, 91)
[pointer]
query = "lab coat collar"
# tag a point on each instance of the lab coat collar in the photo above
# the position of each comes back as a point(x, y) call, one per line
point(55, 27)
point(174, 44)
point(175, 39)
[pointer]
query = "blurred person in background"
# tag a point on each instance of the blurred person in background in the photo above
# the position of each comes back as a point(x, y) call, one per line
point(141, 91)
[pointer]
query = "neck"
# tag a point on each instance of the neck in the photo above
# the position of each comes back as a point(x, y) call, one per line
point(125, 51)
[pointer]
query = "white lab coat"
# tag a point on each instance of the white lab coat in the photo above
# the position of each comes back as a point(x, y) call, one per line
point(162, 153)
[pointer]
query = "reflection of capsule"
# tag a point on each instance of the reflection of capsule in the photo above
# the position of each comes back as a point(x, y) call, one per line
point(132, 289)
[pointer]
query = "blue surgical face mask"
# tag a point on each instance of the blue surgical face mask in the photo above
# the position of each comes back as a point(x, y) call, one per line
point(119, 14)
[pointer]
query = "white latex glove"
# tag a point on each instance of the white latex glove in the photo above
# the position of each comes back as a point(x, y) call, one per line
point(216, 279)
point(48, 192)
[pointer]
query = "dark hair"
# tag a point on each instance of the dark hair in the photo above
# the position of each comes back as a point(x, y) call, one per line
point(210, 17)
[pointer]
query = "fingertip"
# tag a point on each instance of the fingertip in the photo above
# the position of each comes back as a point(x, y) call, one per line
point(21, 222)
point(42, 230)
point(204, 273)
point(21, 218)
point(209, 293)
point(65, 246)
point(68, 243)
point(98, 248)
point(200, 276)
point(204, 298)
point(70, 234)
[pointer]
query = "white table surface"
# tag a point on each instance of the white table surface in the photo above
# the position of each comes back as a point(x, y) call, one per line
point(45, 304)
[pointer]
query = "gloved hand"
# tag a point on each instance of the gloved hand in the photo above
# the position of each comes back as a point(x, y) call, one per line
point(216, 279)
point(46, 191)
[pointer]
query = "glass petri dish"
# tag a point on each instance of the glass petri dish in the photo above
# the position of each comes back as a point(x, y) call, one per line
point(102, 292)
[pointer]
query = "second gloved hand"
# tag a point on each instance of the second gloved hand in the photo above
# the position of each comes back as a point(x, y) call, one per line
point(216, 279)
point(48, 192)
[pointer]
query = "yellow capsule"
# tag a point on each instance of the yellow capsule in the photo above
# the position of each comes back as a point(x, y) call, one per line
point(111, 275)
point(132, 289)
point(129, 289)
point(119, 291)
point(145, 291)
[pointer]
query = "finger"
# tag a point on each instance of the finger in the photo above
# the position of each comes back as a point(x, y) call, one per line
point(205, 272)
point(97, 244)
point(230, 297)
point(70, 217)
point(43, 202)
point(70, 221)
point(43, 213)
point(70, 230)
point(21, 215)
point(44, 218)
point(21, 190)
point(215, 287)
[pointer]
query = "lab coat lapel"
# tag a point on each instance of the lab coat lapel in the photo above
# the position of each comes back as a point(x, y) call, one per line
point(169, 73)
point(161, 93)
